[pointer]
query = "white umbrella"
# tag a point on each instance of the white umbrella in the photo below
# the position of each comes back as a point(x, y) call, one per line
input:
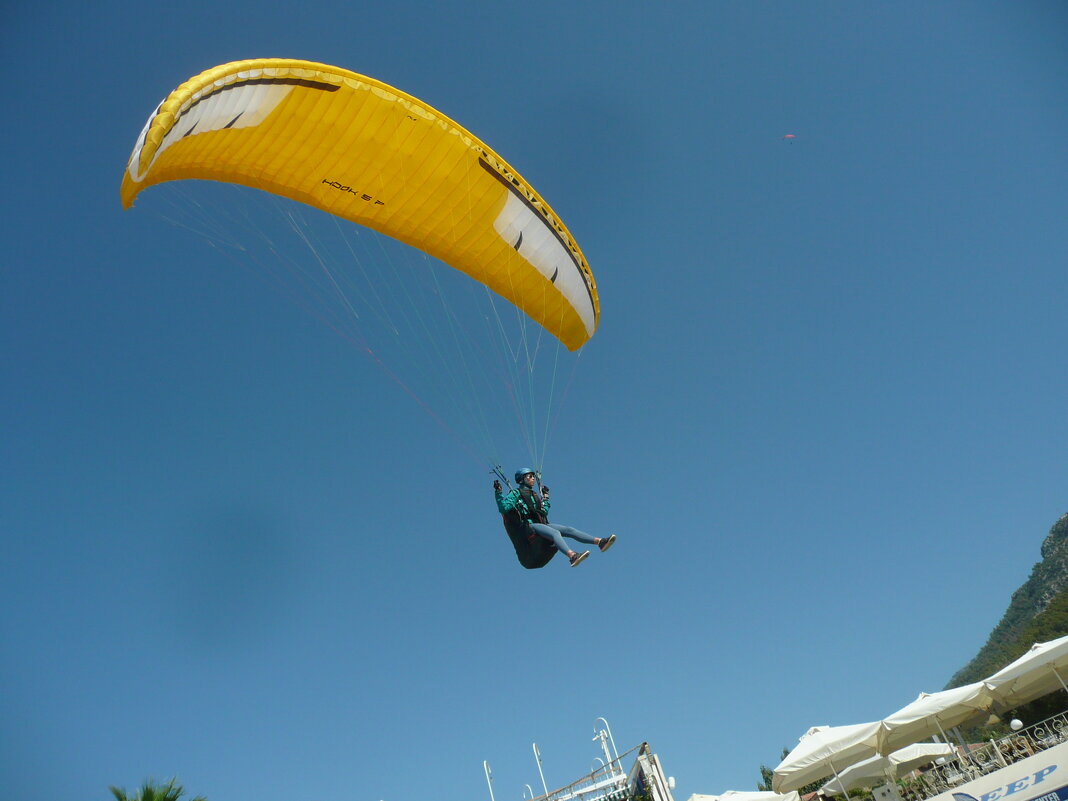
point(881, 768)
point(822, 752)
point(933, 713)
point(737, 795)
point(1041, 671)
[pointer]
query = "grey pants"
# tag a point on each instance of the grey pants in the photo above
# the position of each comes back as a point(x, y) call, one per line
point(556, 533)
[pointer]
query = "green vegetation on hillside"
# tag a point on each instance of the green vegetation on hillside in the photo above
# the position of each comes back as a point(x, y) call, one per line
point(1047, 625)
point(1037, 612)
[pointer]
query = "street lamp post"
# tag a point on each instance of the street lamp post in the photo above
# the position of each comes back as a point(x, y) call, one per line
point(489, 778)
point(600, 735)
point(537, 756)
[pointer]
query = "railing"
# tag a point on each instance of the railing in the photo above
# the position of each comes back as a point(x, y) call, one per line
point(607, 783)
point(645, 781)
point(991, 756)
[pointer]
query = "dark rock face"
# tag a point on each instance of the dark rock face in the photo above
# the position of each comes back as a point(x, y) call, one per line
point(1049, 578)
point(1053, 545)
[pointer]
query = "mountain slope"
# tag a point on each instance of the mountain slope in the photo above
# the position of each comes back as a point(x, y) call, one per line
point(1037, 612)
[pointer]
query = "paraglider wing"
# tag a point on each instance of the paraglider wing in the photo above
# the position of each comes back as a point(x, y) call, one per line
point(369, 153)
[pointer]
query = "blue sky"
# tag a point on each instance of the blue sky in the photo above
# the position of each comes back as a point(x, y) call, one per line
point(824, 412)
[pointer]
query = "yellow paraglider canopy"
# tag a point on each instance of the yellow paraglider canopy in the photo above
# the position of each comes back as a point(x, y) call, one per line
point(369, 153)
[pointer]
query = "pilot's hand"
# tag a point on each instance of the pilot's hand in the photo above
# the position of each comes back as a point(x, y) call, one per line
point(496, 485)
point(544, 491)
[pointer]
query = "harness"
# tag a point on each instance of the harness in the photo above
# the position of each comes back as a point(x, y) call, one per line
point(530, 507)
point(531, 550)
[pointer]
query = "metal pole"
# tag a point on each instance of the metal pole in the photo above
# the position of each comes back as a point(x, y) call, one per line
point(489, 777)
point(960, 742)
point(603, 738)
point(537, 756)
point(610, 737)
point(841, 784)
point(1058, 675)
point(997, 753)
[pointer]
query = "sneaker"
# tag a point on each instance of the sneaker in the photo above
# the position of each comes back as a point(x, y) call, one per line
point(578, 558)
point(604, 545)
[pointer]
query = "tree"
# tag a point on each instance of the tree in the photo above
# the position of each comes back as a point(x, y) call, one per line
point(766, 775)
point(150, 791)
point(765, 779)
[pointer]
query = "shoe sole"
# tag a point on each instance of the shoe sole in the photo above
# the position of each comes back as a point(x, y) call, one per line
point(580, 559)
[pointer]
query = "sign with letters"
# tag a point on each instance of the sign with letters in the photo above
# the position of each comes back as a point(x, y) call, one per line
point(1040, 777)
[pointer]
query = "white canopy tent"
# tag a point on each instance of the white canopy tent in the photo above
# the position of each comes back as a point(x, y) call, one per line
point(931, 714)
point(737, 795)
point(880, 769)
point(824, 751)
point(1041, 671)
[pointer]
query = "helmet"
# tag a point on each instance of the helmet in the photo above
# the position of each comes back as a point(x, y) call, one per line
point(523, 471)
